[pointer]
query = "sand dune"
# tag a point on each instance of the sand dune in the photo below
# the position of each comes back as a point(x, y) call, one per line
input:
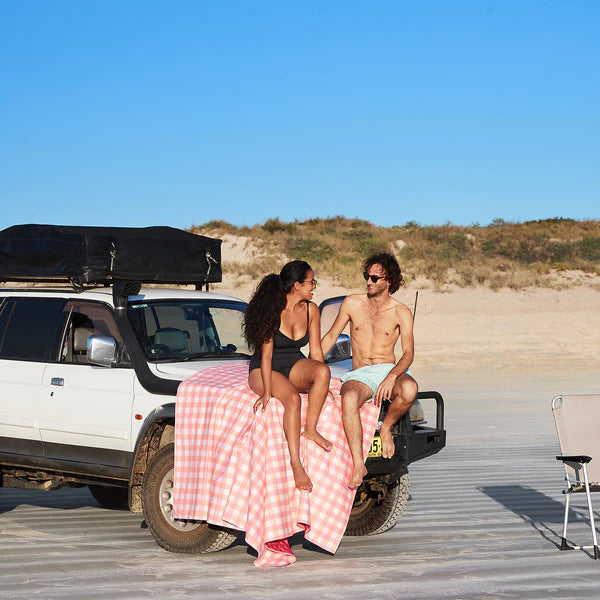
point(504, 333)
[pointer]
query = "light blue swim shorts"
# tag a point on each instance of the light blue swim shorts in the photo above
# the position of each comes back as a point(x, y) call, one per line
point(371, 375)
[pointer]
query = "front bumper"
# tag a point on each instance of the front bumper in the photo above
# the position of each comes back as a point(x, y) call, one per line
point(413, 441)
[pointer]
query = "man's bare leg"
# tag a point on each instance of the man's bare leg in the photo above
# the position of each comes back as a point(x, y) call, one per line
point(354, 395)
point(403, 395)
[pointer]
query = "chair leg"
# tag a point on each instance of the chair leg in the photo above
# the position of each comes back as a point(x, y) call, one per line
point(591, 511)
point(563, 544)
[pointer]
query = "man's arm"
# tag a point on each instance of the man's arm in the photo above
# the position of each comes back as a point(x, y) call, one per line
point(314, 333)
point(405, 322)
point(330, 338)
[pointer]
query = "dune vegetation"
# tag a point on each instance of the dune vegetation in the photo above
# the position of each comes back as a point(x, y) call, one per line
point(542, 253)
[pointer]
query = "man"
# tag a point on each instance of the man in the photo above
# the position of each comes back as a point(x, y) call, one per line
point(376, 322)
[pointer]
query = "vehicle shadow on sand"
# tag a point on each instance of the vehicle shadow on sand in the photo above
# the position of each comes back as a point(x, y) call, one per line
point(66, 499)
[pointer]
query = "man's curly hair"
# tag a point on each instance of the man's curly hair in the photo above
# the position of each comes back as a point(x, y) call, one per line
point(390, 267)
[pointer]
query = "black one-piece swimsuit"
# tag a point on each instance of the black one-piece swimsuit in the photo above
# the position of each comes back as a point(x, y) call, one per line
point(286, 351)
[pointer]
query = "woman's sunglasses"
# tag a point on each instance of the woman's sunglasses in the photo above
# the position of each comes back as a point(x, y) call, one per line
point(373, 278)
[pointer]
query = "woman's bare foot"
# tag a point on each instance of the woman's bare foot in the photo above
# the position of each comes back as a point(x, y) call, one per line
point(388, 448)
point(358, 475)
point(302, 480)
point(316, 437)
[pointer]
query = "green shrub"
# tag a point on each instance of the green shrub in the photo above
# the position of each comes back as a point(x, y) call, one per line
point(589, 248)
point(534, 250)
point(309, 249)
point(412, 225)
point(365, 242)
point(215, 224)
point(561, 252)
point(456, 246)
point(498, 246)
point(274, 225)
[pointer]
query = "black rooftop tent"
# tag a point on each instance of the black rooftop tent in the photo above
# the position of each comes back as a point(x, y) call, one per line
point(102, 255)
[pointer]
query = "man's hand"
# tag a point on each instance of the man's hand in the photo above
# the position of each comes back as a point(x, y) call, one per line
point(262, 402)
point(384, 391)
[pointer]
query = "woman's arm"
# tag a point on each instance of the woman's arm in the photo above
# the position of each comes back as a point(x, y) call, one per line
point(314, 333)
point(266, 361)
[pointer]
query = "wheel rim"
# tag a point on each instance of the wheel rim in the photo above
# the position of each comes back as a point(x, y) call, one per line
point(362, 505)
point(165, 501)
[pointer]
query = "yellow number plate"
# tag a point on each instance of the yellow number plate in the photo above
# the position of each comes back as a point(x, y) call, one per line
point(376, 450)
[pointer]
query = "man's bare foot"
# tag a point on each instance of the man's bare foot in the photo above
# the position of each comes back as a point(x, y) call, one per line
point(388, 449)
point(302, 480)
point(316, 437)
point(358, 475)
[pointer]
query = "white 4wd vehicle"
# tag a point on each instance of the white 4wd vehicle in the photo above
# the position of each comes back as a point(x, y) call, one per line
point(88, 377)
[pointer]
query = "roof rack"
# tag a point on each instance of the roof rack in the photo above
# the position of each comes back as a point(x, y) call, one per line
point(83, 256)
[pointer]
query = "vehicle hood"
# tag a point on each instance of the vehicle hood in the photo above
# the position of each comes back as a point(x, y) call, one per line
point(183, 370)
point(339, 369)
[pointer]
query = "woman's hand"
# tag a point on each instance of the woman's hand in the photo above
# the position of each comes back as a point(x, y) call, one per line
point(262, 401)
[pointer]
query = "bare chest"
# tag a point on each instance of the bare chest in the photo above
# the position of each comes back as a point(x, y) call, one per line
point(377, 325)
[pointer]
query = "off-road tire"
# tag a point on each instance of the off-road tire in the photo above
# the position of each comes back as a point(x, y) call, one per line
point(376, 511)
point(190, 537)
point(110, 497)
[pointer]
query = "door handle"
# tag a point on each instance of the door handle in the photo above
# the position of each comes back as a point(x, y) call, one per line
point(57, 381)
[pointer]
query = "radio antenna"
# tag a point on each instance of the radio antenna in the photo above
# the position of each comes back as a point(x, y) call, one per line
point(415, 308)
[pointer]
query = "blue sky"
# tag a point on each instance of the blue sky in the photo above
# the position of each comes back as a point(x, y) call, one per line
point(149, 112)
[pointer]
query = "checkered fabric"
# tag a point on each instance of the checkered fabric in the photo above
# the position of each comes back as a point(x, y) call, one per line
point(232, 467)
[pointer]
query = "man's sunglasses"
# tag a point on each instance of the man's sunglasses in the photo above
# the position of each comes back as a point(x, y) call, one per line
point(373, 278)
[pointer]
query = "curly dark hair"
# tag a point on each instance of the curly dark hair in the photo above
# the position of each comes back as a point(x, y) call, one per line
point(390, 266)
point(263, 313)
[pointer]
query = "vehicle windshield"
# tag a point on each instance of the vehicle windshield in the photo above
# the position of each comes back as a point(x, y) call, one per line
point(179, 330)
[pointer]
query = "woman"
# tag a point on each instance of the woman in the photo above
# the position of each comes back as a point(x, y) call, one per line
point(280, 319)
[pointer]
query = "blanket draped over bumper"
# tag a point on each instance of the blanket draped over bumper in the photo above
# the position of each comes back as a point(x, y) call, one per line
point(232, 467)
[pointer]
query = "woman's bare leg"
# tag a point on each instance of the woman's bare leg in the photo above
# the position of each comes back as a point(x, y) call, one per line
point(286, 393)
point(314, 376)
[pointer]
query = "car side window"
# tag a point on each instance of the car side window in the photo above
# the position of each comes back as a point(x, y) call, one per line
point(86, 319)
point(30, 328)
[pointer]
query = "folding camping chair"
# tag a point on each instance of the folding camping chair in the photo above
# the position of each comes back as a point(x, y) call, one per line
point(577, 420)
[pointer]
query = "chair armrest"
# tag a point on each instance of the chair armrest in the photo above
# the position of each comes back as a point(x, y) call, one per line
point(579, 459)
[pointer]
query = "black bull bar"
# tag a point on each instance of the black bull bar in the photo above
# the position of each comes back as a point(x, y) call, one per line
point(413, 441)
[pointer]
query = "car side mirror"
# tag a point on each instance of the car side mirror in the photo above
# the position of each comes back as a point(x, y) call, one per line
point(341, 350)
point(102, 350)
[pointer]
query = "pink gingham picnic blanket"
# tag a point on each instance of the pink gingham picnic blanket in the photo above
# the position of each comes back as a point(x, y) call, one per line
point(232, 466)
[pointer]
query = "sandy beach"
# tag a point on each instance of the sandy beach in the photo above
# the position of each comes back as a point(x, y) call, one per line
point(483, 521)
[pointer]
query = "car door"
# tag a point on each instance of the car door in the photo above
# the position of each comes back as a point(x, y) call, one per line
point(87, 413)
point(29, 337)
